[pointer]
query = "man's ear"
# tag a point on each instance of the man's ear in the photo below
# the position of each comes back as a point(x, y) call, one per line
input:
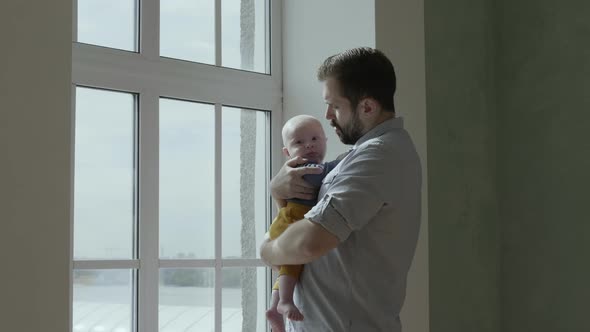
point(286, 152)
point(368, 107)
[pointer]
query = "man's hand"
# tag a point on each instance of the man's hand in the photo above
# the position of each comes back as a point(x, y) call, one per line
point(289, 182)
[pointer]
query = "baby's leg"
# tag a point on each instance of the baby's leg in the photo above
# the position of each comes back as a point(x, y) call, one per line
point(286, 305)
point(272, 315)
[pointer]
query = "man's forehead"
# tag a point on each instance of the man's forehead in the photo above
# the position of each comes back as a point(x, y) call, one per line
point(325, 92)
point(331, 91)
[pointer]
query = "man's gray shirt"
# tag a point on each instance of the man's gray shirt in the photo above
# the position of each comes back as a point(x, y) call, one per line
point(371, 202)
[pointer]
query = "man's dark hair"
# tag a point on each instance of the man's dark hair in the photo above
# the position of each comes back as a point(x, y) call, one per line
point(361, 73)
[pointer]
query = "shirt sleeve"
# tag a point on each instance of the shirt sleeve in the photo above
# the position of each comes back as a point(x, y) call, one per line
point(355, 195)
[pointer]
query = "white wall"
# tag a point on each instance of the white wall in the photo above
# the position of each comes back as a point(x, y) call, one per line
point(312, 31)
point(35, 107)
point(395, 27)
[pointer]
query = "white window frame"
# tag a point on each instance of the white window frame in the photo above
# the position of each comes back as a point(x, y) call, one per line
point(150, 76)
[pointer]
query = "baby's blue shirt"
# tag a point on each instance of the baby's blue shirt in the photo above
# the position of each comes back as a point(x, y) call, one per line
point(315, 180)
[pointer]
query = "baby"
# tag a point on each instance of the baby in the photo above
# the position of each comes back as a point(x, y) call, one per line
point(303, 136)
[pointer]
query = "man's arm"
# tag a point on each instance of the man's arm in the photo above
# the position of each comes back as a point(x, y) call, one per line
point(302, 242)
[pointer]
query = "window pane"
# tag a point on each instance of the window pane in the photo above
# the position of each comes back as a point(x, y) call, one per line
point(104, 175)
point(103, 300)
point(187, 30)
point(187, 161)
point(244, 180)
point(244, 35)
point(244, 298)
point(110, 23)
point(187, 298)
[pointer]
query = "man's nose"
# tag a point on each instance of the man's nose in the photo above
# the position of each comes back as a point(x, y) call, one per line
point(329, 113)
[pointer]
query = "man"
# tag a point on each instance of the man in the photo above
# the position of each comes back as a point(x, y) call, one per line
point(358, 241)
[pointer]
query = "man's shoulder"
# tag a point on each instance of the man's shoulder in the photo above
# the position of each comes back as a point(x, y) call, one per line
point(374, 148)
point(391, 145)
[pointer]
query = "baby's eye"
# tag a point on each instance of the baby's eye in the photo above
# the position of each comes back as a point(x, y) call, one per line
point(314, 138)
point(298, 142)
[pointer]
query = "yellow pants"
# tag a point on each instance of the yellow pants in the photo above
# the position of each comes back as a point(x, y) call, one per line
point(287, 215)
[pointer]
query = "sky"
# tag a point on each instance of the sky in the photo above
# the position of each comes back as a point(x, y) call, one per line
point(104, 146)
point(186, 29)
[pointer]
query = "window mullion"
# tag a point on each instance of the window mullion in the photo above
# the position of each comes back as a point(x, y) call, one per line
point(148, 210)
point(74, 21)
point(218, 225)
point(105, 264)
point(275, 40)
point(218, 32)
point(125, 71)
point(149, 32)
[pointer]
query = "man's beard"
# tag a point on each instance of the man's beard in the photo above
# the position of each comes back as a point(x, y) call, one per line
point(352, 132)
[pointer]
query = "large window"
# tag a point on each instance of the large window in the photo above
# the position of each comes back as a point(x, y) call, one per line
point(176, 105)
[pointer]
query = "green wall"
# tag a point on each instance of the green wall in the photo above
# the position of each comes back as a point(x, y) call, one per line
point(35, 165)
point(544, 164)
point(508, 109)
point(464, 246)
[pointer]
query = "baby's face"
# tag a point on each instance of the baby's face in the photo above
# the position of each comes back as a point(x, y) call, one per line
point(308, 141)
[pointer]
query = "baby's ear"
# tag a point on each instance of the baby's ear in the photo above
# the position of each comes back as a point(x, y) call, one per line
point(286, 152)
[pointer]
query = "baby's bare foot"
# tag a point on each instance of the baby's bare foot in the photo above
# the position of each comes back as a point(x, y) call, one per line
point(276, 320)
point(289, 310)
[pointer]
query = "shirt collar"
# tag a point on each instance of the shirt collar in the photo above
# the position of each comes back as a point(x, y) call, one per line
point(380, 129)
